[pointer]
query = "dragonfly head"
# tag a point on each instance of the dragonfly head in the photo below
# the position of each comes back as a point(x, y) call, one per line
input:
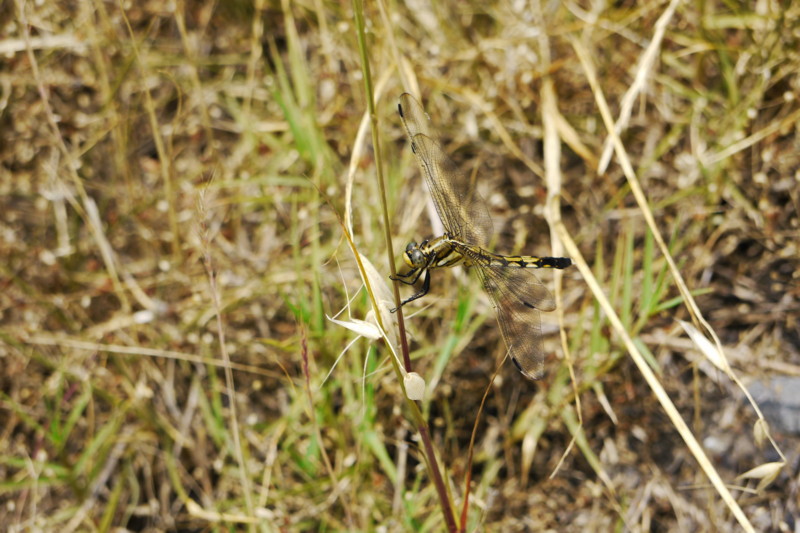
point(413, 256)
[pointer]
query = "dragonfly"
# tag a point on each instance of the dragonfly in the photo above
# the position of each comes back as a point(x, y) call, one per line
point(516, 293)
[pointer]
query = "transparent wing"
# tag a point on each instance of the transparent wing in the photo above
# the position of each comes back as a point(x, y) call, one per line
point(462, 210)
point(518, 296)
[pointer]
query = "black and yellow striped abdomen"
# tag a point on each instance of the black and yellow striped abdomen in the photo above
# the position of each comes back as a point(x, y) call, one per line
point(523, 261)
point(474, 255)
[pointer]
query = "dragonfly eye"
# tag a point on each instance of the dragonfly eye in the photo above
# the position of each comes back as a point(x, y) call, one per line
point(410, 246)
point(415, 258)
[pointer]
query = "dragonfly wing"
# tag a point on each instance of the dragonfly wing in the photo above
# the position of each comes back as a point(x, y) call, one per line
point(518, 296)
point(414, 117)
point(460, 206)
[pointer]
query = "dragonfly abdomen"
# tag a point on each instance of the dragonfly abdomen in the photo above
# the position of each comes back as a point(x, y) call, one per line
point(526, 261)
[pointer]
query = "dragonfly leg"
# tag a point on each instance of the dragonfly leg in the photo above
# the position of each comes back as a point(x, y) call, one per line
point(426, 286)
point(409, 278)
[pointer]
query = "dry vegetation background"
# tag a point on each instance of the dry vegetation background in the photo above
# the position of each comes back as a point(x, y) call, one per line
point(144, 145)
